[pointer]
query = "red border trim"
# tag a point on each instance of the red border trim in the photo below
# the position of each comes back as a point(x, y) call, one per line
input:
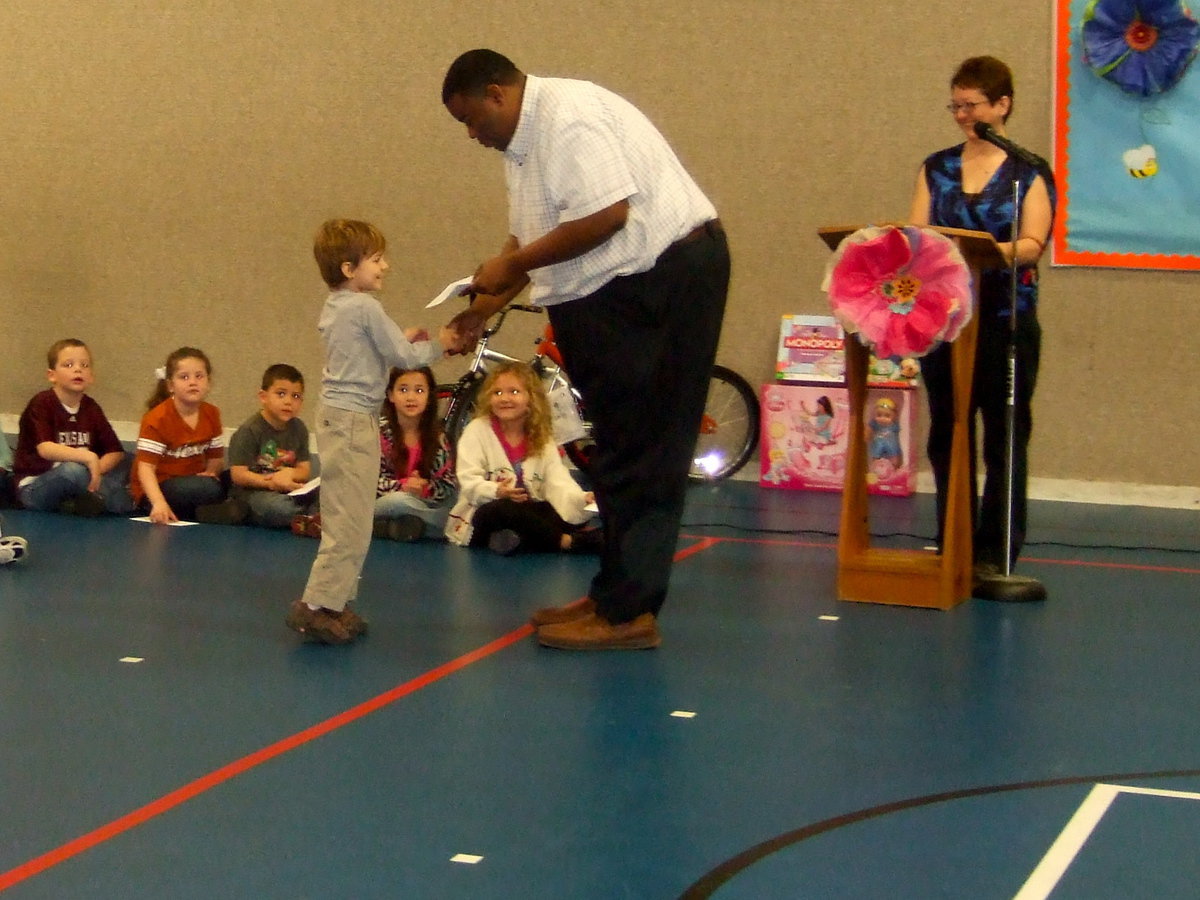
point(1063, 255)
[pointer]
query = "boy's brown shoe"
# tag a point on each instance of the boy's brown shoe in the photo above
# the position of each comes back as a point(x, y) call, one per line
point(355, 624)
point(554, 615)
point(323, 625)
point(594, 633)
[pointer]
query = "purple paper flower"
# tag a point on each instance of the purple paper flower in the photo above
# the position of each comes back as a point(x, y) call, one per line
point(1142, 46)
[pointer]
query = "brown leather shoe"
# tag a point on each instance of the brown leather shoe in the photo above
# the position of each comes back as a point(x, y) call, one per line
point(355, 624)
point(323, 625)
point(595, 633)
point(555, 615)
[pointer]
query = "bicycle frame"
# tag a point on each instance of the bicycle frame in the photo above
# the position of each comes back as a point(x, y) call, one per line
point(566, 413)
point(727, 435)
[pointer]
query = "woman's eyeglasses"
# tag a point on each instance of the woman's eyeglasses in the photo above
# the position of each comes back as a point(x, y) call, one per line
point(969, 107)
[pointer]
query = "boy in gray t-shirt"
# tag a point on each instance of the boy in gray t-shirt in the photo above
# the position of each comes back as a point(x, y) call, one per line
point(269, 457)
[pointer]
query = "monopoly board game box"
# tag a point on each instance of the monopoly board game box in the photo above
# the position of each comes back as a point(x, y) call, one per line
point(811, 348)
point(805, 437)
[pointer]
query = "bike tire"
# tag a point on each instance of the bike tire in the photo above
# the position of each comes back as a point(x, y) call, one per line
point(460, 407)
point(729, 428)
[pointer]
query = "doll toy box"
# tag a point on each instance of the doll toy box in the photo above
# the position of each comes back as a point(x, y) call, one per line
point(805, 438)
point(890, 420)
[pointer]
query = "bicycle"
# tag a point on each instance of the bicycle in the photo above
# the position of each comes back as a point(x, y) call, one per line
point(727, 437)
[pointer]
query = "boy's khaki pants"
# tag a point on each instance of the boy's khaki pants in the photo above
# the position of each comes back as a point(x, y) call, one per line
point(348, 445)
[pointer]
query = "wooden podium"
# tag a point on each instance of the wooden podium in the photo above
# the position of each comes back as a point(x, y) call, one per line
point(912, 577)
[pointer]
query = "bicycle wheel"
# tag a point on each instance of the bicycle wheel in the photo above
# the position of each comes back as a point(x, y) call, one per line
point(728, 428)
point(459, 408)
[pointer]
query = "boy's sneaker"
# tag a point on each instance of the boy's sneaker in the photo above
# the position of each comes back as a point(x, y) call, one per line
point(322, 625)
point(306, 526)
point(227, 512)
point(87, 505)
point(13, 549)
point(404, 529)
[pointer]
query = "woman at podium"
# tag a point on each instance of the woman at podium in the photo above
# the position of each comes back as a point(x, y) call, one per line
point(971, 185)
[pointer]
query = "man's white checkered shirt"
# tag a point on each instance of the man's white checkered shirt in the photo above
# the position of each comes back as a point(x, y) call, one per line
point(577, 149)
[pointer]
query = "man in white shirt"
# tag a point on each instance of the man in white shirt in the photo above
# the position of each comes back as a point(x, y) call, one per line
point(630, 260)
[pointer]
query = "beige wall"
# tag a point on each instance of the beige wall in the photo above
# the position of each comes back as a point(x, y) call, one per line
point(167, 163)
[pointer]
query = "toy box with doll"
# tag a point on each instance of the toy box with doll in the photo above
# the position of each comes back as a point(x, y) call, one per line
point(890, 420)
point(805, 438)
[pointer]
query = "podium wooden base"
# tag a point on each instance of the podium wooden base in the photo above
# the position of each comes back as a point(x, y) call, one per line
point(921, 578)
point(900, 578)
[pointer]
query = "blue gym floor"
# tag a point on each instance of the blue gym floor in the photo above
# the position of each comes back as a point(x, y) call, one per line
point(830, 750)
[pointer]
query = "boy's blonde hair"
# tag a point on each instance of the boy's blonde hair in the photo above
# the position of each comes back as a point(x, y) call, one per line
point(345, 240)
point(539, 430)
point(59, 346)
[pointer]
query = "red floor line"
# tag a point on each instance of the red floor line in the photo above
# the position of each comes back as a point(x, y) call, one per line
point(237, 767)
point(785, 542)
point(1134, 567)
point(233, 769)
point(698, 547)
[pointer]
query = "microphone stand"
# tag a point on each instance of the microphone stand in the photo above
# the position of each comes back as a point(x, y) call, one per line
point(1007, 587)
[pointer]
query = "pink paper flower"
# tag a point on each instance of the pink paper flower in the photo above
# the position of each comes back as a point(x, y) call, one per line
point(902, 290)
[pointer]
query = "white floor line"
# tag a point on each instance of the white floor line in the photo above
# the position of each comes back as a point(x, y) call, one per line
point(1070, 841)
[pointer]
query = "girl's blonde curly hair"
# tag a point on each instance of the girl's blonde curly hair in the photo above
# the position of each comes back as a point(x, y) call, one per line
point(538, 428)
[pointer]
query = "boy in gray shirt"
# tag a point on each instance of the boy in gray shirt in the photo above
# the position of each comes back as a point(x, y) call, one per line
point(269, 457)
point(361, 344)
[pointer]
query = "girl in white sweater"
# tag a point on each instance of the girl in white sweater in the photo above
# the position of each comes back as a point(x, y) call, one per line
point(515, 492)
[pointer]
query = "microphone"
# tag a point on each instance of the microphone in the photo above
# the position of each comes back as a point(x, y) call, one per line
point(988, 133)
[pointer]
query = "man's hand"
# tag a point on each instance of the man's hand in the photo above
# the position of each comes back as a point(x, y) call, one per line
point(497, 275)
point(468, 328)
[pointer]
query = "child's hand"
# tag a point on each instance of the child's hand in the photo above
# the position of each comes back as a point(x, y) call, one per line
point(415, 485)
point(415, 335)
point(448, 338)
point(284, 480)
point(162, 514)
point(92, 461)
point(508, 490)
